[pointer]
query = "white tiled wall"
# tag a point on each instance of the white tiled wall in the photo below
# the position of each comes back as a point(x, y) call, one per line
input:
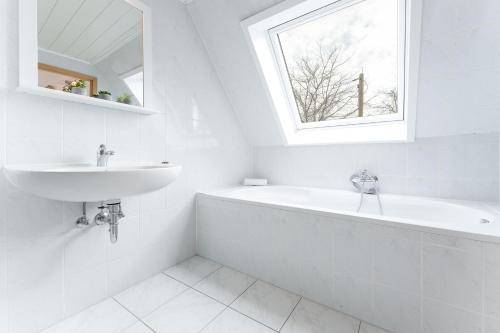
point(458, 167)
point(49, 269)
point(401, 280)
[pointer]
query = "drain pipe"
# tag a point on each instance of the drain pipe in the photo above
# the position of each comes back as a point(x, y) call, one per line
point(115, 214)
point(111, 213)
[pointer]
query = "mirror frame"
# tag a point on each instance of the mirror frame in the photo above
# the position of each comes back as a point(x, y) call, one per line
point(28, 60)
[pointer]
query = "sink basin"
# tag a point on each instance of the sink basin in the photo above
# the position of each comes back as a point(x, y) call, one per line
point(88, 183)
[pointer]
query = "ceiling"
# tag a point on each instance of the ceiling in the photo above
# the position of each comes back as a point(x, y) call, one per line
point(88, 30)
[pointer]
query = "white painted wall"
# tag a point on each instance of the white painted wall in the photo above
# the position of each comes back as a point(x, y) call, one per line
point(48, 269)
point(458, 96)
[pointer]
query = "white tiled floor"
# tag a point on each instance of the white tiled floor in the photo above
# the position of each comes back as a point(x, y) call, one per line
point(200, 295)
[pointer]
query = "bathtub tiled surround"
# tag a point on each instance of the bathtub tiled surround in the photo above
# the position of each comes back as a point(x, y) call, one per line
point(454, 167)
point(222, 300)
point(402, 280)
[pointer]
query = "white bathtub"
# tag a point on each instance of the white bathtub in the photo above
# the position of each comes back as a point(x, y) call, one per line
point(407, 271)
point(468, 219)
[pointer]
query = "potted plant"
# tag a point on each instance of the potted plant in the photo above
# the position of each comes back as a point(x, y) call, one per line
point(103, 94)
point(78, 87)
point(125, 99)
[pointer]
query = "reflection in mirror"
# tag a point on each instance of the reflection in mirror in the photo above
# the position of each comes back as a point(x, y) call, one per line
point(92, 48)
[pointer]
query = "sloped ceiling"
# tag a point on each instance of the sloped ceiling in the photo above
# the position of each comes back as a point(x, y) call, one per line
point(218, 23)
point(88, 30)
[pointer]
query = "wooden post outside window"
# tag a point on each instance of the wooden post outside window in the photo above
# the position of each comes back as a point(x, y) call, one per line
point(361, 92)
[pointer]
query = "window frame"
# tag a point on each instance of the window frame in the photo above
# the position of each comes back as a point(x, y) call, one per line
point(262, 32)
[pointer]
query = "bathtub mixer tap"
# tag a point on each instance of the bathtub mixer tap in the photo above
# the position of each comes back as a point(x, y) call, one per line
point(366, 183)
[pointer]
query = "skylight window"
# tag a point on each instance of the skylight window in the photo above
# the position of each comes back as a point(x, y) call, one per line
point(134, 82)
point(339, 67)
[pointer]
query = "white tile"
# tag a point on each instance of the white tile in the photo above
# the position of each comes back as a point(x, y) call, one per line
point(105, 317)
point(467, 245)
point(353, 296)
point(491, 325)
point(193, 270)
point(83, 288)
point(353, 249)
point(396, 256)
point(138, 327)
point(310, 317)
point(492, 280)
point(367, 328)
point(225, 285)
point(453, 276)
point(84, 129)
point(35, 281)
point(91, 241)
point(33, 117)
point(315, 255)
point(127, 271)
point(146, 296)
point(18, 223)
point(33, 151)
point(267, 304)
point(395, 310)
point(129, 236)
point(231, 321)
point(439, 317)
point(188, 312)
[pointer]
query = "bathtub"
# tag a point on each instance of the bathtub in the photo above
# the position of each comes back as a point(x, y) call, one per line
point(474, 220)
point(423, 266)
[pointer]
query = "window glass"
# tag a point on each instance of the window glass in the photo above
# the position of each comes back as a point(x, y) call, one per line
point(343, 63)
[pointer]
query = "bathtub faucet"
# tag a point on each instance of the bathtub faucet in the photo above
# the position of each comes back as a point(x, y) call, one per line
point(366, 183)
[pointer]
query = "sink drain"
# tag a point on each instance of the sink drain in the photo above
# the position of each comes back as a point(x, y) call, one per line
point(484, 221)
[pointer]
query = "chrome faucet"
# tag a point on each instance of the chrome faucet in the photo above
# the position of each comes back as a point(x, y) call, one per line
point(103, 156)
point(366, 183)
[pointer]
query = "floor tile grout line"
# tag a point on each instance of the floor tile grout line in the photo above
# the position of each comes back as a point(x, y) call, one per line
point(203, 278)
point(173, 278)
point(137, 317)
point(290, 314)
point(159, 306)
point(244, 291)
point(213, 319)
point(231, 308)
point(189, 287)
point(244, 314)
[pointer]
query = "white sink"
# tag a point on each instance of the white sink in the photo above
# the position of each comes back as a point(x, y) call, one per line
point(88, 183)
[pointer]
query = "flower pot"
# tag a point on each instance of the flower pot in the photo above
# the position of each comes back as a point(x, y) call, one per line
point(105, 96)
point(79, 91)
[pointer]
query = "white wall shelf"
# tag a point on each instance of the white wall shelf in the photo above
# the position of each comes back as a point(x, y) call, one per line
point(40, 91)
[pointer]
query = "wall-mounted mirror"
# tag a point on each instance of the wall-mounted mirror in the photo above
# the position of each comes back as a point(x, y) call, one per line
point(91, 51)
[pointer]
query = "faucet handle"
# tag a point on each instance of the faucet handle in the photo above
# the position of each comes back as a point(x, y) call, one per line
point(101, 150)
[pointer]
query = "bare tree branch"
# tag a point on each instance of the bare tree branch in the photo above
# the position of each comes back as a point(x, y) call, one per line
point(324, 89)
